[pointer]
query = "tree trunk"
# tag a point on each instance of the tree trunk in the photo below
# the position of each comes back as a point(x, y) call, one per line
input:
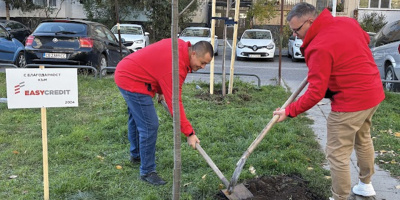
point(175, 102)
point(7, 10)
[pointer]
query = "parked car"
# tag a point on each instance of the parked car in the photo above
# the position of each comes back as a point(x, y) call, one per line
point(133, 34)
point(385, 48)
point(17, 29)
point(74, 42)
point(294, 45)
point(255, 43)
point(196, 34)
point(11, 50)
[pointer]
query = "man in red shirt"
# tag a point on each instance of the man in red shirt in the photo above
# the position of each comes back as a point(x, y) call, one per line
point(139, 77)
point(341, 67)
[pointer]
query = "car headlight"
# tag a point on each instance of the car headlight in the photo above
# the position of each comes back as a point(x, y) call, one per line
point(138, 42)
point(240, 45)
point(271, 46)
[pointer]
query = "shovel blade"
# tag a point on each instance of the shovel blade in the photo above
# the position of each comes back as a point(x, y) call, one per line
point(239, 192)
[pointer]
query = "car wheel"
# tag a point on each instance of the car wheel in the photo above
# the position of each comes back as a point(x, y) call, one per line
point(238, 58)
point(102, 64)
point(20, 61)
point(288, 54)
point(293, 59)
point(390, 76)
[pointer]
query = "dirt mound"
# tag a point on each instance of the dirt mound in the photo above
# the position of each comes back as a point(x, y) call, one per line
point(279, 188)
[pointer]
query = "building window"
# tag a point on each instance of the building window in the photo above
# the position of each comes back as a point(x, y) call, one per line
point(53, 3)
point(322, 4)
point(395, 4)
point(40, 2)
point(384, 4)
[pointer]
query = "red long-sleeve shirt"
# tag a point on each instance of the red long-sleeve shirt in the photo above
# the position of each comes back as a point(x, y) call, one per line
point(153, 65)
point(337, 55)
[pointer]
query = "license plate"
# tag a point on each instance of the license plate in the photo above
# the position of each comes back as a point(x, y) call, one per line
point(254, 55)
point(55, 55)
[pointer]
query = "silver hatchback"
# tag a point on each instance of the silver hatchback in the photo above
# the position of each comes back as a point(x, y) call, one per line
point(385, 47)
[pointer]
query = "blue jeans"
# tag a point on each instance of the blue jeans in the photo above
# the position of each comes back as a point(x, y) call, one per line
point(142, 129)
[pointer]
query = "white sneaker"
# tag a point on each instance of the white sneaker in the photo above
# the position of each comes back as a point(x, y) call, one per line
point(363, 189)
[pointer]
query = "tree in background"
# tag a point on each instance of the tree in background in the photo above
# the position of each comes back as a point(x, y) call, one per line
point(157, 11)
point(159, 14)
point(373, 22)
point(29, 6)
point(19, 4)
point(104, 11)
point(261, 10)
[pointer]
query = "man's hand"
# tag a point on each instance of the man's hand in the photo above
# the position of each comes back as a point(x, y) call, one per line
point(160, 98)
point(281, 113)
point(192, 140)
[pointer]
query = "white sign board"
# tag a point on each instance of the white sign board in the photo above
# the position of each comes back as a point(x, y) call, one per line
point(37, 88)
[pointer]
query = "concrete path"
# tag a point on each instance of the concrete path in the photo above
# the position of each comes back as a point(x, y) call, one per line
point(384, 184)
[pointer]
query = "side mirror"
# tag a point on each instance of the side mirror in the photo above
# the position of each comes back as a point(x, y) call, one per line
point(10, 36)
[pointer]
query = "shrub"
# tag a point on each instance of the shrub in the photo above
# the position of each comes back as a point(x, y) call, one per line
point(373, 22)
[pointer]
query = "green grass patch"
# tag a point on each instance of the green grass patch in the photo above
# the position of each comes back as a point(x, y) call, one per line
point(85, 144)
point(386, 134)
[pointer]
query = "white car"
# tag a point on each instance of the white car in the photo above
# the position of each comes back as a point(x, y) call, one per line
point(255, 43)
point(385, 48)
point(132, 33)
point(294, 45)
point(196, 34)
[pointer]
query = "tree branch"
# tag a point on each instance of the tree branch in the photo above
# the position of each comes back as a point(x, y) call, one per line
point(187, 7)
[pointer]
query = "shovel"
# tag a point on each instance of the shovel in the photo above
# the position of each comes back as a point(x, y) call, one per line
point(246, 154)
point(237, 192)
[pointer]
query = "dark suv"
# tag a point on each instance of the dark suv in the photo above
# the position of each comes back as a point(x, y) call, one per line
point(385, 47)
point(17, 29)
point(73, 42)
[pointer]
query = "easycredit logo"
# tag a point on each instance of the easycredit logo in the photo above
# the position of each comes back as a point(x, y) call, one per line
point(18, 87)
point(46, 92)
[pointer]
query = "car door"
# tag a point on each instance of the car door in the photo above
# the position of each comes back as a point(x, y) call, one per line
point(113, 48)
point(146, 36)
point(379, 49)
point(7, 46)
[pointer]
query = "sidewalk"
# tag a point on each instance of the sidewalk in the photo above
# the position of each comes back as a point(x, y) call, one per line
point(384, 184)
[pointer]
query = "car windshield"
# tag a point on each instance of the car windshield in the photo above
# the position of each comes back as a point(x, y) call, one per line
point(256, 35)
point(60, 27)
point(195, 33)
point(131, 30)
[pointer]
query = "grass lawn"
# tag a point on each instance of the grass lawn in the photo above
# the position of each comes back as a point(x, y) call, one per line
point(87, 143)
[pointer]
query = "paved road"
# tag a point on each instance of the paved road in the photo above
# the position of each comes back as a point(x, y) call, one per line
point(267, 70)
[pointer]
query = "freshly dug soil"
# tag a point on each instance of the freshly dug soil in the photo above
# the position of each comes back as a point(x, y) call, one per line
point(278, 188)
